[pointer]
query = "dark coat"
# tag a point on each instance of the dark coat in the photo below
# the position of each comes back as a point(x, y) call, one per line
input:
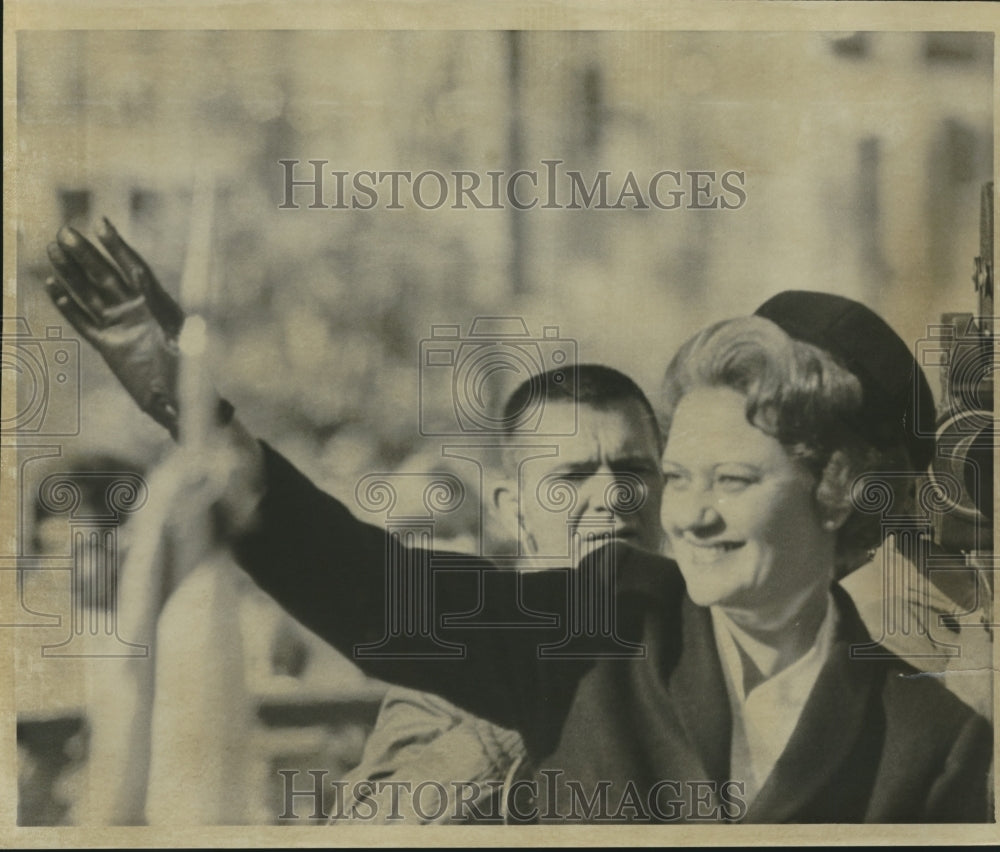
point(635, 724)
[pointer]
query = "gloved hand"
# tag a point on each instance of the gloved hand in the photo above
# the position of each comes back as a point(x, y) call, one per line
point(123, 312)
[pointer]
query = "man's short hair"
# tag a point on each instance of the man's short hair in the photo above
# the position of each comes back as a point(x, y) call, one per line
point(594, 385)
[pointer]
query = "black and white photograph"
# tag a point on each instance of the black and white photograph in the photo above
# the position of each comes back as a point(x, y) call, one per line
point(508, 417)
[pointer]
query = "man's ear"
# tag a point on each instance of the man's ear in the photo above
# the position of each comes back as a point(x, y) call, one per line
point(506, 515)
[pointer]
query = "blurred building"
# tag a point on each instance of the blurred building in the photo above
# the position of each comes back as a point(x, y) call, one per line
point(863, 155)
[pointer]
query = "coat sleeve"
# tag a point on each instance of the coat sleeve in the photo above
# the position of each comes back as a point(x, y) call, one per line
point(329, 571)
point(399, 749)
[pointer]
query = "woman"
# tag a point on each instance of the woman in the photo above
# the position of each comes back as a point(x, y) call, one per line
point(727, 689)
point(747, 702)
point(766, 434)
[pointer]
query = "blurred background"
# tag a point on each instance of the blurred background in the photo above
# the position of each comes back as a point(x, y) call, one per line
point(863, 154)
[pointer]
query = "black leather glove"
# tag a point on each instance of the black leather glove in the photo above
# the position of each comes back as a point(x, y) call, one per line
point(123, 312)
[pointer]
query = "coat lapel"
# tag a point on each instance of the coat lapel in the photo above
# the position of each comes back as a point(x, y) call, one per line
point(831, 722)
point(698, 687)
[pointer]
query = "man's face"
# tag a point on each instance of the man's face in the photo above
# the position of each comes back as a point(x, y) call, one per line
point(601, 482)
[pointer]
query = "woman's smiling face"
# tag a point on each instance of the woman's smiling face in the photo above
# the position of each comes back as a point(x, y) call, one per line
point(740, 512)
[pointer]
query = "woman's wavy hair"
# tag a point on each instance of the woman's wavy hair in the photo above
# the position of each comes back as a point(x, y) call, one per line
point(801, 396)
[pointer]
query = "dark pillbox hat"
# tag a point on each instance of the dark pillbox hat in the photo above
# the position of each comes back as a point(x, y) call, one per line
point(897, 405)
